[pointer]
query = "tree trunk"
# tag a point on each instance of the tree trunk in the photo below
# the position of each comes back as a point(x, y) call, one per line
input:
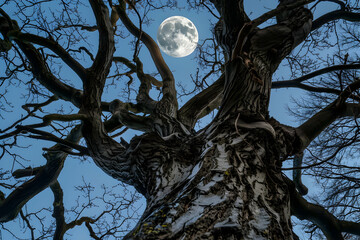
point(225, 183)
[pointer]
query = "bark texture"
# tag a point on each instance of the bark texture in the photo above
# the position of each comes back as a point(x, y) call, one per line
point(224, 183)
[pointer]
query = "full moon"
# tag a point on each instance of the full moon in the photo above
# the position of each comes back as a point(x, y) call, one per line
point(177, 36)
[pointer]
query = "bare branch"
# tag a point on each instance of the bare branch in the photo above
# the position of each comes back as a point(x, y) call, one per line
point(335, 15)
point(40, 69)
point(128, 119)
point(50, 137)
point(328, 223)
point(11, 205)
point(303, 190)
point(202, 104)
point(315, 74)
point(297, 83)
point(27, 172)
point(316, 124)
point(169, 90)
point(103, 59)
point(59, 211)
point(54, 46)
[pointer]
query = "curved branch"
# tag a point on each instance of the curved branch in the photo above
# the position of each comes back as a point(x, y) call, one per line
point(335, 15)
point(106, 49)
point(290, 84)
point(126, 62)
point(297, 83)
point(319, 72)
point(281, 8)
point(145, 103)
point(50, 137)
point(59, 210)
point(11, 206)
point(26, 172)
point(128, 119)
point(314, 126)
point(293, 84)
point(202, 103)
point(302, 189)
point(342, 4)
point(53, 46)
point(169, 90)
point(40, 70)
point(328, 223)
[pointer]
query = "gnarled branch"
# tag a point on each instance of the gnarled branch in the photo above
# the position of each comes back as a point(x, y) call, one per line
point(53, 46)
point(169, 91)
point(12, 204)
point(328, 223)
point(202, 104)
point(309, 130)
point(39, 67)
point(106, 49)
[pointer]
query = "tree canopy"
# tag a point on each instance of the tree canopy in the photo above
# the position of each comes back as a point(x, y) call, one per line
point(79, 77)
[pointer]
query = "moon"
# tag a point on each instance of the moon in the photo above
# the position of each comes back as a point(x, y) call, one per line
point(177, 36)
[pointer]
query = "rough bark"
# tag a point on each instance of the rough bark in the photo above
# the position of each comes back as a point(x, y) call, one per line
point(224, 183)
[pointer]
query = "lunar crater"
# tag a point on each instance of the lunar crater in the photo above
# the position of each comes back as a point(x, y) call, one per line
point(177, 36)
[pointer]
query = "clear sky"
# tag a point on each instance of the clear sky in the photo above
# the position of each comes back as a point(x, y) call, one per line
point(76, 171)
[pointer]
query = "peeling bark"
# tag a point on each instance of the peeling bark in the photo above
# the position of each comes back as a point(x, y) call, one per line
point(223, 184)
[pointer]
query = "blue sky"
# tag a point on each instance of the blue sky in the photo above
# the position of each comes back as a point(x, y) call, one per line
point(75, 171)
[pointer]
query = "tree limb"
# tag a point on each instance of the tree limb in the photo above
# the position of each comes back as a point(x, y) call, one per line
point(128, 119)
point(351, 110)
point(106, 49)
point(11, 205)
point(39, 67)
point(168, 80)
point(91, 231)
point(203, 103)
point(51, 137)
point(270, 14)
point(339, 2)
point(26, 172)
point(335, 15)
point(53, 46)
point(317, 73)
point(26, 220)
point(302, 189)
point(59, 210)
point(328, 223)
point(297, 83)
point(309, 130)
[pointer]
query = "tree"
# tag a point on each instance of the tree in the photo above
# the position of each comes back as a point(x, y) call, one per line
point(223, 181)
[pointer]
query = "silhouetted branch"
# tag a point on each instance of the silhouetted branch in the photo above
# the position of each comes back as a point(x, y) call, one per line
point(51, 137)
point(59, 210)
point(26, 172)
point(328, 223)
point(128, 119)
point(335, 15)
point(168, 88)
point(12, 204)
point(103, 59)
point(54, 46)
point(317, 123)
point(40, 69)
